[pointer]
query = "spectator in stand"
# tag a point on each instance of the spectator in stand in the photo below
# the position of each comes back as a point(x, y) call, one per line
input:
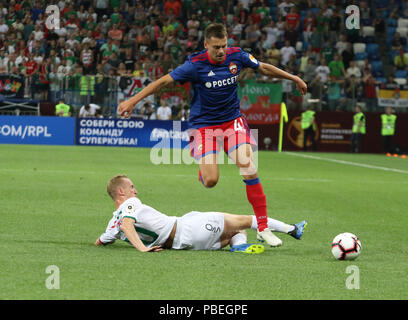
point(323, 71)
point(370, 93)
point(87, 59)
point(147, 111)
point(193, 25)
point(353, 90)
point(353, 70)
point(341, 45)
point(115, 33)
point(292, 64)
point(321, 24)
point(334, 92)
point(334, 25)
point(164, 111)
point(317, 88)
point(401, 61)
point(88, 110)
point(156, 71)
point(291, 35)
point(30, 66)
point(347, 55)
point(172, 7)
point(397, 41)
point(286, 52)
point(292, 19)
point(254, 16)
point(379, 28)
point(309, 71)
point(114, 60)
point(272, 32)
point(138, 71)
point(284, 7)
point(316, 41)
point(101, 7)
point(336, 67)
point(273, 55)
point(309, 26)
point(253, 34)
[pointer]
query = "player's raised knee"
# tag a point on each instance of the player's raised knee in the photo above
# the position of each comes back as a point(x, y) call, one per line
point(210, 182)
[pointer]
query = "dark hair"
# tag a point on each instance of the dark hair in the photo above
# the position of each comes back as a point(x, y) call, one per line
point(216, 30)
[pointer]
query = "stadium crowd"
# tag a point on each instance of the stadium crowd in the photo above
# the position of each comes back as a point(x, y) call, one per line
point(100, 41)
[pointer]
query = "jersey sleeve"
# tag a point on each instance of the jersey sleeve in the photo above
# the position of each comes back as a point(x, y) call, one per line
point(248, 60)
point(109, 236)
point(131, 208)
point(184, 73)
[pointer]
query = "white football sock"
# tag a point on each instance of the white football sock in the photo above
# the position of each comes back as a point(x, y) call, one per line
point(273, 225)
point(239, 238)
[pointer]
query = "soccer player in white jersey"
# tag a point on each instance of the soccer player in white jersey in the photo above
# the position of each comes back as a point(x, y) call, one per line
point(215, 118)
point(150, 230)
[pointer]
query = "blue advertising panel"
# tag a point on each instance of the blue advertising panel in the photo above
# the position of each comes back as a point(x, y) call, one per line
point(132, 133)
point(37, 130)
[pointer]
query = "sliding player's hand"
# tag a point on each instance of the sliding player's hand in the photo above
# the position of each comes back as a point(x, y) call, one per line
point(125, 108)
point(153, 249)
point(301, 86)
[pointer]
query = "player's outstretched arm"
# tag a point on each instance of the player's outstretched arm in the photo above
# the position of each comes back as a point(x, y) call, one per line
point(129, 230)
point(126, 107)
point(272, 71)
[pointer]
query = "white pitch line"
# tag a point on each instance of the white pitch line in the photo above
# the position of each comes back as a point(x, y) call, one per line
point(357, 164)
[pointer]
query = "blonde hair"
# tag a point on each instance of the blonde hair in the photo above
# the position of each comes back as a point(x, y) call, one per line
point(114, 184)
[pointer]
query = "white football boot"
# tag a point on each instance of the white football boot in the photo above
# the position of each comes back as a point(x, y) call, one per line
point(267, 236)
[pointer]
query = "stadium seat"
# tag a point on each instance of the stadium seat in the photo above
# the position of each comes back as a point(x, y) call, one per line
point(372, 48)
point(376, 65)
point(402, 23)
point(315, 11)
point(381, 3)
point(401, 81)
point(359, 47)
point(361, 56)
point(368, 31)
point(401, 74)
point(391, 22)
point(374, 56)
point(393, 54)
point(378, 74)
point(403, 31)
point(369, 39)
point(381, 79)
point(391, 31)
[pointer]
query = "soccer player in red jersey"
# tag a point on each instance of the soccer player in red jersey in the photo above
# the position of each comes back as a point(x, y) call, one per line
point(215, 117)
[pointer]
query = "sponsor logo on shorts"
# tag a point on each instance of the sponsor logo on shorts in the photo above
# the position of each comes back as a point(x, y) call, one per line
point(211, 228)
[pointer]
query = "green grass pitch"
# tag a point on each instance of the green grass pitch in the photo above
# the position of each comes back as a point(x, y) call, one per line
point(54, 205)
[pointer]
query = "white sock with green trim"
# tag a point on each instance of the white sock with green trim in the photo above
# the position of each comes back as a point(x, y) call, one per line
point(273, 225)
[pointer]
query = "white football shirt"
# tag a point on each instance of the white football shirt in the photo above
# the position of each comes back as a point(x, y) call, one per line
point(152, 226)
